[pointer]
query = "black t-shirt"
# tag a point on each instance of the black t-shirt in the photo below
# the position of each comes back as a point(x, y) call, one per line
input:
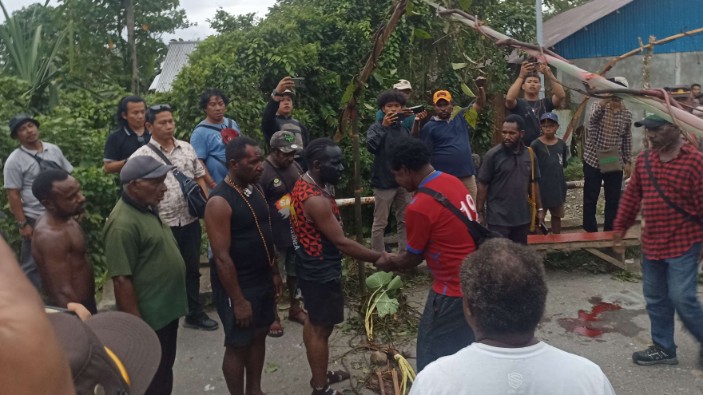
point(552, 161)
point(277, 184)
point(508, 176)
point(530, 111)
point(247, 249)
point(122, 143)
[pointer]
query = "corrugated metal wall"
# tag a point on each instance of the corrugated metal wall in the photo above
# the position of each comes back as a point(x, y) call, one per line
point(618, 32)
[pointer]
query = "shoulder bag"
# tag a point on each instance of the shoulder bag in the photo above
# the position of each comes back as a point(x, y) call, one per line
point(193, 194)
point(694, 218)
point(44, 164)
point(478, 232)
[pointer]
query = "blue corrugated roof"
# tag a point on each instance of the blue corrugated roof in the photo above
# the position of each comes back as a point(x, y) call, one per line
point(618, 32)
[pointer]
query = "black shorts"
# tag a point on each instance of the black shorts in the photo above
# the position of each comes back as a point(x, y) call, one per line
point(323, 301)
point(262, 301)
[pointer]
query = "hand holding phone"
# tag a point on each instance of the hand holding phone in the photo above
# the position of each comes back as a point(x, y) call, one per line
point(299, 82)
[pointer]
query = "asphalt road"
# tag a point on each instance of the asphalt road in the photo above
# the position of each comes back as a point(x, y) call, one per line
point(602, 332)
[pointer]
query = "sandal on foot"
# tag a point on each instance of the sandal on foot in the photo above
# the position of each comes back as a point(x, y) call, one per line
point(335, 376)
point(297, 315)
point(326, 390)
point(276, 330)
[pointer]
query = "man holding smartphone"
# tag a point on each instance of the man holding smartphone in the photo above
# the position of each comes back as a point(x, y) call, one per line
point(531, 107)
point(277, 116)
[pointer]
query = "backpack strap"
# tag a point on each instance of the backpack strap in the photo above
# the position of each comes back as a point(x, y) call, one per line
point(471, 226)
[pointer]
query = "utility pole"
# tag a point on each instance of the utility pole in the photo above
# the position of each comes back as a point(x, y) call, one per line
point(540, 38)
point(131, 43)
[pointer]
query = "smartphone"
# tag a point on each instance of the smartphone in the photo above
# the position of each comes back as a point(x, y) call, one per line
point(399, 119)
point(417, 109)
point(299, 82)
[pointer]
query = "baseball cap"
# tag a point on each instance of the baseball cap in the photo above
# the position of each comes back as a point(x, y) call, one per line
point(622, 81)
point(140, 167)
point(109, 353)
point(403, 85)
point(441, 95)
point(19, 120)
point(652, 122)
point(288, 92)
point(550, 116)
point(284, 141)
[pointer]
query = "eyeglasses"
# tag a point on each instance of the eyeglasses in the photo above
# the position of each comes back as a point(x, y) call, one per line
point(160, 107)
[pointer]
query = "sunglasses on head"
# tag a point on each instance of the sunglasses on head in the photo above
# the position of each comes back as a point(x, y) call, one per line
point(160, 107)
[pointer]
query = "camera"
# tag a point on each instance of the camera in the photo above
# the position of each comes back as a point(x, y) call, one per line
point(417, 109)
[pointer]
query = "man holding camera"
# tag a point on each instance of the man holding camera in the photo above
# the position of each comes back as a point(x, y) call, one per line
point(277, 115)
point(173, 209)
point(449, 138)
point(531, 107)
point(380, 136)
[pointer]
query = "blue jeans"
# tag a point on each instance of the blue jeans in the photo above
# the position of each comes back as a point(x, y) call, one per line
point(670, 285)
point(443, 330)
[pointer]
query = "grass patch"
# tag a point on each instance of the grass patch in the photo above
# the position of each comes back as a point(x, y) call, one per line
point(574, 169)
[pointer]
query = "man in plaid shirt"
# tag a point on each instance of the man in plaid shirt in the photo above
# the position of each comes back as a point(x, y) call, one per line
point(609, 127)
point(667, 184)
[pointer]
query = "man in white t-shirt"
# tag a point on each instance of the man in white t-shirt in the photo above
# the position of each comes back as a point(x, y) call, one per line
point(504, 298)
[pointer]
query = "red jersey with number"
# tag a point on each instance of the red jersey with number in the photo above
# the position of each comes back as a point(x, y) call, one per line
point(437, 234)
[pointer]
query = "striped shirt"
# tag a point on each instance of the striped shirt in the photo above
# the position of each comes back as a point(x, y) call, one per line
point(608, 128)
point(667, 233)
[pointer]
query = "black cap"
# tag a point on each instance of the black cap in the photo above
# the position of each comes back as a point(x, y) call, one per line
point(652, 122)
point(19, 120)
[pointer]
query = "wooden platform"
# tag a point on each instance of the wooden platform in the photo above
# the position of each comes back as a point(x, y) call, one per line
point(580, 240)
point(598, 243)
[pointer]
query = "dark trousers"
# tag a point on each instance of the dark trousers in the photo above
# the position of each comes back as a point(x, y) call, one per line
point(517, 234)
point(188, 240)
point(162, 383)
point(612, 184)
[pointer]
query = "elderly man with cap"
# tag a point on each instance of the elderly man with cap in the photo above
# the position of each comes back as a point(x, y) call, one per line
point(280, 172)
point(143, 260)
point(449, 138)
point(606, 157)
point(667, 185)
point(277, 116)
point(21, 169)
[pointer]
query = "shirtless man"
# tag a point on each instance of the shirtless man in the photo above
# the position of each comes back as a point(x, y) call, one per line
point(58, 244)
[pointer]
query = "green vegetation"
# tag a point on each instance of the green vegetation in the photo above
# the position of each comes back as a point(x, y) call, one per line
point(69, 64)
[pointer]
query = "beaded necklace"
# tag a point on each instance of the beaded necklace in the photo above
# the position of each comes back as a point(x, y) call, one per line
point(229, 182)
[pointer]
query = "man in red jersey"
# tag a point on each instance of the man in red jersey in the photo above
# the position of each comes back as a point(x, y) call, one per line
point(438, 236)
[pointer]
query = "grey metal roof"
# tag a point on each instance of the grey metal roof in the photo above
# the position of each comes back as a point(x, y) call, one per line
point(570, 21)
point(176, 59)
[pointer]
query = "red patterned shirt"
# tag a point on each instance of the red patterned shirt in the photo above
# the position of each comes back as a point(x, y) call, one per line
point(667, 233)
point(319, 259)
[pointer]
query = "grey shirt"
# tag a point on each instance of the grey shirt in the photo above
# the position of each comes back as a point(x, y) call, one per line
point(507, 175)
point(21, 169)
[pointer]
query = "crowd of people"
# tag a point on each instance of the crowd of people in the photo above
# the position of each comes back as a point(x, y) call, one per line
point(273, 222)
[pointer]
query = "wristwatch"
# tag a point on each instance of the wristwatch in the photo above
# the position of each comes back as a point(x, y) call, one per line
point(275, 94)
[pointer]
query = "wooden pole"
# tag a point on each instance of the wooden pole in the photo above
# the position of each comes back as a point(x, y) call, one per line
point(349, 123)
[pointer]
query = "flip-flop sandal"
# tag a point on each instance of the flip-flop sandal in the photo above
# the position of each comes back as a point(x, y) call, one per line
point(300, 316)
point(326, 390)
point(335, 376)
point(276, 330)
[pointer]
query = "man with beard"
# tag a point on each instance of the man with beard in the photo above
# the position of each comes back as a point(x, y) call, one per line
point(207, 137)
point(531, 107)
point(504, 184)
point(245, 278)
point(440, 237)
point(319, 244)
point(280, 172)
point(58, 243)
point(667, 185)
point(449, 139)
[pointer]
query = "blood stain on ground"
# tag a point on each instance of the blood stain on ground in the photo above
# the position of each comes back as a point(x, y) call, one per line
point(601, 319)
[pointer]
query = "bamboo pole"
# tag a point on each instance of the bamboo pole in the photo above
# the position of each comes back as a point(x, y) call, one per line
point(349, 122)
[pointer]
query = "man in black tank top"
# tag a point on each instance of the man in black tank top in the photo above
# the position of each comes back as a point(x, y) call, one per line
point(245, 279)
